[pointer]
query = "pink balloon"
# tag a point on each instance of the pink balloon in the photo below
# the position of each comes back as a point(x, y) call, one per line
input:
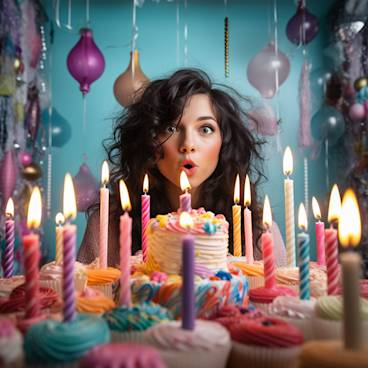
point(261, 71)
point(357, 112)
point(8, 176)
point(263, 120)
point(85, 61)
point(25, 158)
point(86, 188)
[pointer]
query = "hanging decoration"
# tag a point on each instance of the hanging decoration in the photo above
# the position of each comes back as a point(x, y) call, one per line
point(32, 120)
point(61, 130)
point(8, 177)
point(303, 26)
point(226, 40)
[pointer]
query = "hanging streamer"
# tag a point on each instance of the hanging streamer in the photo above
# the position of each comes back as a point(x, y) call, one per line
point(177, 33)
point(134, 33)
point(87, 14)
point(326, 165)
point(226, 39)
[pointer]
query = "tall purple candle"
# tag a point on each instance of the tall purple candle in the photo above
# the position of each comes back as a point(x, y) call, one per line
point(8, 261)
point(188, 299)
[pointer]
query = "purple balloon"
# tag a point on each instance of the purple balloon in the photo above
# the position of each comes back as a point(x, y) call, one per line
point(261, 71)
point(303, 26)
point(85, 61)
point(8, 176)
point(25, 158)
point(86, 188)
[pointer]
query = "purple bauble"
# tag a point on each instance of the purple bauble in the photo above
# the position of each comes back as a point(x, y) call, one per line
point(25, 158)
point(357, 112)
point(85, 61)
point(303, 26)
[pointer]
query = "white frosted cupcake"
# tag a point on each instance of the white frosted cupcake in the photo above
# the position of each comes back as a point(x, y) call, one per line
point(208, 345)
point(11, 345)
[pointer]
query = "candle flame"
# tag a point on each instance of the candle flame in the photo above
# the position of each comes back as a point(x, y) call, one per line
point(145, 184)
point(186, 220)
point(334, 208)
point(34, 209)
point(59, 219)
point(69, 203)
point(302, 218)
point(350, 226)
point(124, 196)
point(247, 195)
point(184, 182)
point(316, 209)
point(237, 190)
point(267, 215)
point(9, 210)
point(288, 162)
point(105, 173)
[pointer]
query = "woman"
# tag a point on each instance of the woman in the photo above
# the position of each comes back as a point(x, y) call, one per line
point(183, 122)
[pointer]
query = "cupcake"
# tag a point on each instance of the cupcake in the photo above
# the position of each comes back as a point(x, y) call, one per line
point(128, 323)
point(122, 356)
point(207, 345)
point(93, 301)
point(329, 315)
point(7, 285)
point(253, 271)
point(11, 345)
point(295, 311)
point(264, 342)
point(53, 343)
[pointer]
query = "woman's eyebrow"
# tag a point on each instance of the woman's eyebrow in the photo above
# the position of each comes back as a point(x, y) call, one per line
point(206, 118)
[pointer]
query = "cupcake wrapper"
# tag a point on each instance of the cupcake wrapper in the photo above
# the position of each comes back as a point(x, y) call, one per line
point(80, 284)
point(304, 325)
point(255, 282)
point(105, 288)
point(325, 329)
point(261, 357)
point(132, 336)
point(264, 307)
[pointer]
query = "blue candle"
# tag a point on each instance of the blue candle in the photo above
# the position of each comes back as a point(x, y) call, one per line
point(303, 246)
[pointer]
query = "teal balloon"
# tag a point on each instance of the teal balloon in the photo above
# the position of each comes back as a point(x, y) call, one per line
point(61, 129)
point(318, 80)
point(328, 123)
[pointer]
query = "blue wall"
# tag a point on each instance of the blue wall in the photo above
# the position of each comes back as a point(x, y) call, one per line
point(250, 30)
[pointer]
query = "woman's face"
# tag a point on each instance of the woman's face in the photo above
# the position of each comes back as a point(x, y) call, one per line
point(192, 145)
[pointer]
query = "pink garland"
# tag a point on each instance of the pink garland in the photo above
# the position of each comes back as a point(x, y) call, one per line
point(305, 138)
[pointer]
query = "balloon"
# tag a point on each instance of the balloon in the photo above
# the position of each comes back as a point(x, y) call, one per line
point(86, 188)
point(263, 120)
point(25, 158)
point(357, 112)
point(303, 26)
point(8, 176)
point(318, 84)
point(85, 61)
point(262, 68)
point(61, 130)
point(328, 123)
point(31, 172)
point(125, 86)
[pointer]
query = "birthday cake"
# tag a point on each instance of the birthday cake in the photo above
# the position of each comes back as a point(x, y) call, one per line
point(159, 279)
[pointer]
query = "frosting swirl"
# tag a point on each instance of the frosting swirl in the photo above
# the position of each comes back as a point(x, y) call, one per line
point(93, 301)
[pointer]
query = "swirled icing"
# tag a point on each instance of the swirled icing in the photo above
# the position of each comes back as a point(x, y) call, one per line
point(7, 285)
point(11, 342)
point(98, 276)
point(53, 341)
point(206, 336)
point(291, 306)
point(93, 301)
point(267, 295)
point(136, 318)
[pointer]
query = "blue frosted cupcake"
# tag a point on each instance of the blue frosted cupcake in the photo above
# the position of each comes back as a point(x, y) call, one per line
point(62, 344)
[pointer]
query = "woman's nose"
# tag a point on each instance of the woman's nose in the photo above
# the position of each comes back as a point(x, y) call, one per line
point(187, 145)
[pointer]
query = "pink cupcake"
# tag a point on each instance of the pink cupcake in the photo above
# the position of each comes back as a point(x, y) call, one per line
point(263, 343)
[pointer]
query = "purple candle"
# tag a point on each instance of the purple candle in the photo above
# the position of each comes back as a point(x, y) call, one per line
point(188, 299)
point(8, 261)
point(186, 198)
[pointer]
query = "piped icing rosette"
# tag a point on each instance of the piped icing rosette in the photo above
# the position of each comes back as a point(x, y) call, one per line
point(11, 345)
point(7, 285)
point(93, 301)
point(253, 271)
point(165, 235)
point(52, 342)
point(208, 345)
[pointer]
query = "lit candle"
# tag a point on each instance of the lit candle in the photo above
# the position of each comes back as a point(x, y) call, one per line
point(303, 246)
point(237, 219)
point(104, 215)
point(267, 247)
point(145, 199)
point(125, 246)
point(332, 262)
point(69, 241)
point(188, 300)
point(8, 257)
point(320, 233)
point(59, 219)
point(31, 245)
point(185, 199)
point(289, 208)
point(349, 235)
point(248, 233)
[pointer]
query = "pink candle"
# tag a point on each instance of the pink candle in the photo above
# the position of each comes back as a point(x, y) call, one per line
point(104, 216)
point(146, 201)
point(267, 247)
point(320, 233)
point(125, 241)
point(248, 233)
point(8, 257)
point(185, 199)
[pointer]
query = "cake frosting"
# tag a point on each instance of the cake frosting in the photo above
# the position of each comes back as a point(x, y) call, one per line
point(7, 285)
point(11, 344)
point(265, 295)
point(53, 341)
point(93, 301)
point(165, 235)
point(293, 307)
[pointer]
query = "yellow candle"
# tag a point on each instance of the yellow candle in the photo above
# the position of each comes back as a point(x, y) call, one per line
point(59, 219)
point(104, 216)
point(289, 208)
point(237, 219)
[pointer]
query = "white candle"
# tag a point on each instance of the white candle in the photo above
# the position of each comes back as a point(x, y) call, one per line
point(104, 216)
point(185, 199)
point(289, 208)
point(248, 232)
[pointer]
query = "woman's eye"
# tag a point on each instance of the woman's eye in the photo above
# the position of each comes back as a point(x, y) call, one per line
point(207, 129)
point(171, 129)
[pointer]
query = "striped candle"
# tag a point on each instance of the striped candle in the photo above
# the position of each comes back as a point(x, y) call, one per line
point(69, 235)
point(59, 219)
point(8, 261)
point(146, 202)
point(332, 263)
point(303, 246)
point(237, 220)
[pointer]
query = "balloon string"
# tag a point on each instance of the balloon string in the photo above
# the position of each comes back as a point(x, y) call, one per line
point(306, 185)
point(57, 13)
point(69, 24)
point(177, 33)
point(326, 165)
point(185, 35)
point(134, 35)
point(49, 180)
point(84, 115)
point(87, 13)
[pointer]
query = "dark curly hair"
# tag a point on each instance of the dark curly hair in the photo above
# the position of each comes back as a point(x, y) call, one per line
point(134, 148)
